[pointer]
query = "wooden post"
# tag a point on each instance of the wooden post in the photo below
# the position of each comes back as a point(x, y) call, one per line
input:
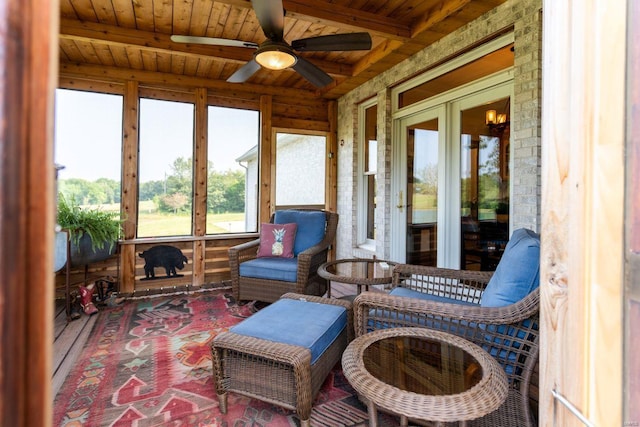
point(130, 143)
point(331, 186)
point(583, 208)
point(28, 67)
point(267, 159)
point(200, 185)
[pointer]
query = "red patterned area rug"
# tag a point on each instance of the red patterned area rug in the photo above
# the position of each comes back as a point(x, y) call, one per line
point(148, 363)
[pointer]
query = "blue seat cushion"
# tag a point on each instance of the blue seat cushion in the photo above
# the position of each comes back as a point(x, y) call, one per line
point(283, 269)
point(305, 324)
point(311, 227)
point(410, 293)
point(518, 272)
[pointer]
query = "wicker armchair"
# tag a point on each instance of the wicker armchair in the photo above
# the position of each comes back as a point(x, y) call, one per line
point(307, 262)
point(509, 333)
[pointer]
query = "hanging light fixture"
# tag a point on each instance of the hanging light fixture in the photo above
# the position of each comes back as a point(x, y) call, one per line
point(497, 122)
point(490, 117)
point(275, 56)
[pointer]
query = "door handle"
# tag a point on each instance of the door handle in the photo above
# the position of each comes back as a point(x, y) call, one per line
point(400, 204)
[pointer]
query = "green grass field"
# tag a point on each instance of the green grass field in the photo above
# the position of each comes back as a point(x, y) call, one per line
point(156, 224)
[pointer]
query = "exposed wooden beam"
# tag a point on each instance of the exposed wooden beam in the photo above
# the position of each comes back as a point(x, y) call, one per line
point(335, 15)
point(168, 80)
point(146, 40)
point(377, 60)
point(437, 14)
point(161, 43)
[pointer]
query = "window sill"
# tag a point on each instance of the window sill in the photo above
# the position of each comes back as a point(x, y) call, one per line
point(368, 246)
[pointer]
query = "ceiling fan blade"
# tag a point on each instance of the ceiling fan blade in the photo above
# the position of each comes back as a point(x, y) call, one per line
point(350, 41)
point(243, 73)
point(312, 73)
point(270, 14)
point(213, 41)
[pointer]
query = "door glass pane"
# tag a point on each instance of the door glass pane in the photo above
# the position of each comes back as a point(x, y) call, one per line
point(484, 169)
point(300, 170)
point(422, 193)
point(166, 168)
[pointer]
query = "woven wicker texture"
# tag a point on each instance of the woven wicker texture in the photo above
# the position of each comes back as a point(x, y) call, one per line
point(308, 282)
point(510, 334)
point(273, 372)
point(435, 401)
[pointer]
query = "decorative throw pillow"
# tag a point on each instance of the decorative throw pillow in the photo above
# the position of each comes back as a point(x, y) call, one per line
point(276, 240)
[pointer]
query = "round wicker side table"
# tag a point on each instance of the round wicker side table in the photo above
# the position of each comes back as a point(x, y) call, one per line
point(357, 271)
point(424, 374)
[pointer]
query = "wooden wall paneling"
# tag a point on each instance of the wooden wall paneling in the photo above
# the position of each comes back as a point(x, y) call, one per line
point(217, 258)
point(289, 123)
point(166, 95)
point(304, 109)
point(582, 205)
point(91, 85)
point(28, 68)
point(171, 81)
point(129, 203)
point(161, 281)
point(200, 185)
point(267, 160)
point(226, 100)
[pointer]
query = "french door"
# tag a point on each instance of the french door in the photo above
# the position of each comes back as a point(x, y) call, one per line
point(451, 181)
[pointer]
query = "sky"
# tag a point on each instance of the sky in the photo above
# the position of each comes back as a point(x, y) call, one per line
point(88, 135)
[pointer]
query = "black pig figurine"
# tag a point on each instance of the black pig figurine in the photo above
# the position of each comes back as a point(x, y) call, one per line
point(165, 256)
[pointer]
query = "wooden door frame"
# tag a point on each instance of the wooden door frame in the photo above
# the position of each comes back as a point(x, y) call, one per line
point(29, 69)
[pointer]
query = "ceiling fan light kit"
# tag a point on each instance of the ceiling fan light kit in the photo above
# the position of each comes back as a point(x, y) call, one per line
point(277, 54)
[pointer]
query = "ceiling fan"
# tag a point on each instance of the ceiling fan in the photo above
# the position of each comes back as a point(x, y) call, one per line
point(276, 54)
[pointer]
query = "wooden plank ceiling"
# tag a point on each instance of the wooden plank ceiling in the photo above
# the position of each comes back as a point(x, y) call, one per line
point(117, 40)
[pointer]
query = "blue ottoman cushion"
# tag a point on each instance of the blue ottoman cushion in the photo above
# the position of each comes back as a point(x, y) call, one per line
point(305, 324)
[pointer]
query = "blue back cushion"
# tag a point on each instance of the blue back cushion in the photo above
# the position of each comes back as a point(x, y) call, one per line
point(305, 324)
point(311, 227)
point(518, 272)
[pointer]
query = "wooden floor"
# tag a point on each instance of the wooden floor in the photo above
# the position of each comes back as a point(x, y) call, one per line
point(69, 339)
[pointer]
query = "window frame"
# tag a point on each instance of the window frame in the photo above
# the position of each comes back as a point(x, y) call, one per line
point(362, 240)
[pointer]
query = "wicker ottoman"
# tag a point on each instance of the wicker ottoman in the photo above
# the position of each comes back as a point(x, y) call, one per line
point(283, 353)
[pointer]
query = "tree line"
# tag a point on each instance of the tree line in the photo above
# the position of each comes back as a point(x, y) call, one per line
point(225, 189)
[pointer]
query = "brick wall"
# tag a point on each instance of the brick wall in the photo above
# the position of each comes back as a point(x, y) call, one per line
point(524, 16)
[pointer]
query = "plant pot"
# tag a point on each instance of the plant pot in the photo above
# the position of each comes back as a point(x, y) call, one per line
point(83, 253)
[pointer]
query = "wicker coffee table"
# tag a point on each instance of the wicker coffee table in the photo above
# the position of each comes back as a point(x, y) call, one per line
point(423, 374)
point(357, 271)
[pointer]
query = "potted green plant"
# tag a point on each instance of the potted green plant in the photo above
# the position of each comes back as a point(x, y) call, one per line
point(93, 233)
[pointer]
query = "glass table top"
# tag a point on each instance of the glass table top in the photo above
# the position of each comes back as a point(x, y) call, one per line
point(422, 365)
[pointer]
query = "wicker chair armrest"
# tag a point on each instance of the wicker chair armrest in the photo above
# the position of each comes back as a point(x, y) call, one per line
point(244, 251)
